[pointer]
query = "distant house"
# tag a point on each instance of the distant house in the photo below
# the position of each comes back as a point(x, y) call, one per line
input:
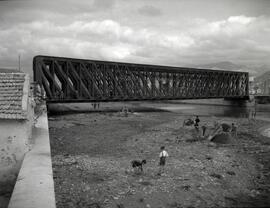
point(9, 70)
point(263, 83)
point(16, 119)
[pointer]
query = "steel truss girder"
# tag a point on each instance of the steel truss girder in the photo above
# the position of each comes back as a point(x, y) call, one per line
point(77, 80)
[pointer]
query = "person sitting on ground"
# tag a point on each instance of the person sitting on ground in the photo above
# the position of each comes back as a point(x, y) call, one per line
point(234, 130)
point(225, 127)
point(162, 160)
point(188, 122)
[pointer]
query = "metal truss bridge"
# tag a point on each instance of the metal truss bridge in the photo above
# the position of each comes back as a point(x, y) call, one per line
point(77, 80)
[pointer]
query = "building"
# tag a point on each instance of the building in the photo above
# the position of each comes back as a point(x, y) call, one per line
point(16, 122)
point(262, 83)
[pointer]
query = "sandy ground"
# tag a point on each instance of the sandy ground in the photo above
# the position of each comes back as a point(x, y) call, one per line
point(91, 156)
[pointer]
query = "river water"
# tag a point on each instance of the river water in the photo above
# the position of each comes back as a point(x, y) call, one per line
point(262, 110)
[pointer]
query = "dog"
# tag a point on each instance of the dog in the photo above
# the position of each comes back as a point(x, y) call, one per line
point(138, 164)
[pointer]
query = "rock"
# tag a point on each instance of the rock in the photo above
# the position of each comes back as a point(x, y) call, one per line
point(168, 140)
point(223, 138)
point(254, 193)
point(120, 206)
point(208, 157)
point(230, 172)
point(218, 176)
point(186, 187)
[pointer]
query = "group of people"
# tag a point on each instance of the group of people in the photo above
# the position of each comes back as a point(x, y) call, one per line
point(164, 154)
point(95, 105)
point(196, 125)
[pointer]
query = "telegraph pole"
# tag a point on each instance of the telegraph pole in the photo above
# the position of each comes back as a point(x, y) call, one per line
point(19, 62)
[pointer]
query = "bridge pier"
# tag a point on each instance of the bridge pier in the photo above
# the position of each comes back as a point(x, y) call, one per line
point(240, 102)
point(262, 99)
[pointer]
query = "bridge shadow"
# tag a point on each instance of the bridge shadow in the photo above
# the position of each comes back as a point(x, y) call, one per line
point(64, 109)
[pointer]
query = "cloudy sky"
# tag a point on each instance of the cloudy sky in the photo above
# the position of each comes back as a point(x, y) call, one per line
point(167, 32)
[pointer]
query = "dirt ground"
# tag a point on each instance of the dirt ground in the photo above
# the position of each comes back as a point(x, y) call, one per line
point(91, 155)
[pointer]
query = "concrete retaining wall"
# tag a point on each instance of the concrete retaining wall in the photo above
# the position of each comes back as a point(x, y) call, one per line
point(14, 143)
point(34, 187)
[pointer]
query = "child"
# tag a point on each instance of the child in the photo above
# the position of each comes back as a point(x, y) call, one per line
point(234, 130)
point(197, 121)
point(162, 159)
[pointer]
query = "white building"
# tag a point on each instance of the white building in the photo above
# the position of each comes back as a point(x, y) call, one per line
point(16, 121)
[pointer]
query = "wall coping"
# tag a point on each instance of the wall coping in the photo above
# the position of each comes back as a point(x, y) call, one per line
point(34, 187)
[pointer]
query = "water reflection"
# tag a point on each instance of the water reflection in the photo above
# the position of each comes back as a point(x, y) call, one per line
point(215, 110)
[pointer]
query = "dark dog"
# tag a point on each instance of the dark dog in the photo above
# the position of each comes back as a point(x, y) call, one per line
point(138, 164)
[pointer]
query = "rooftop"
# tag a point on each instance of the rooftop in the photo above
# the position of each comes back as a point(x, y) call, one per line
point(12, 96)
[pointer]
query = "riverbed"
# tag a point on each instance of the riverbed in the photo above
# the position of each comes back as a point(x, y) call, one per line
point(91, 154)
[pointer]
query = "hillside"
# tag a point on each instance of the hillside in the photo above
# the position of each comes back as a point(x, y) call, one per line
point(226, 65)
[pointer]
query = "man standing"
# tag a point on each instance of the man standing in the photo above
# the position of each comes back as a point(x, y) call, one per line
point(203, 129)
point(197, 120)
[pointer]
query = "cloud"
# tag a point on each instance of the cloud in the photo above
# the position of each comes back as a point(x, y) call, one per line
point(103, 4)
point(241, 19)
point(231, 26)
point(236, 38)
point(149, 11)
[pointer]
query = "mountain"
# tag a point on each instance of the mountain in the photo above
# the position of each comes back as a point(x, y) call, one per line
point(225, 65)
point(254, 70)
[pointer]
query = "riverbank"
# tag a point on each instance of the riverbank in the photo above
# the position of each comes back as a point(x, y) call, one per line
point(91, 156)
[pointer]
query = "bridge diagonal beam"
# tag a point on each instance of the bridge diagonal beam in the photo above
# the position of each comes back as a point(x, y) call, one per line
point(90, 76)
point(116, 83)
point(44, 81)
point(134, 81)
point(51, 79)
point(71, 80)
point(63, 76)
point(83, 88)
